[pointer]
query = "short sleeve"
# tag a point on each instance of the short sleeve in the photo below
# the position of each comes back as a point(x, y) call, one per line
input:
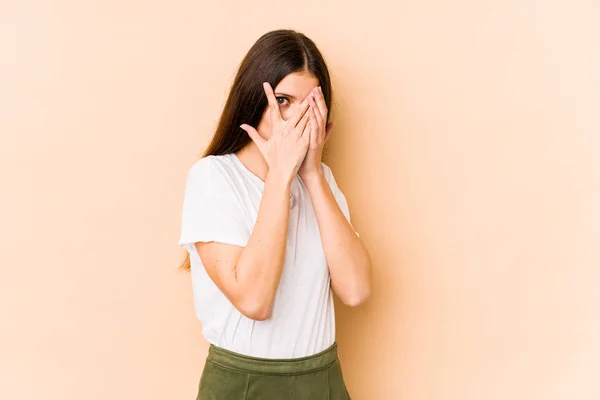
point(337, 193)
point(211, 210)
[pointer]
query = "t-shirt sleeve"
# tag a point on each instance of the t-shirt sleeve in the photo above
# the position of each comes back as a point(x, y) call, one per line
point(211, 210)
point(337, 193)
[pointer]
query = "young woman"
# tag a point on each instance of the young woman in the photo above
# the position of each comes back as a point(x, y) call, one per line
point(268, 233)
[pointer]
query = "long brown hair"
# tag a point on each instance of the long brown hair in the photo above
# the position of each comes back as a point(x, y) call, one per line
point(274, 55)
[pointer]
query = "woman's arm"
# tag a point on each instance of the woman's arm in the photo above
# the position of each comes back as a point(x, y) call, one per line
point(249, 276)
point(348, 260)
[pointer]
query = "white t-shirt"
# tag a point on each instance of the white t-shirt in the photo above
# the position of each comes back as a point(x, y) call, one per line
point(221, 204)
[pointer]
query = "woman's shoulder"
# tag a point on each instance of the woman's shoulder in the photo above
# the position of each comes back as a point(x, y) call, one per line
point(210, 166)
point(211, 162)
point(211, 172)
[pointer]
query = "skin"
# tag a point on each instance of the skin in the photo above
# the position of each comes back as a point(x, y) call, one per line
point(288, 141)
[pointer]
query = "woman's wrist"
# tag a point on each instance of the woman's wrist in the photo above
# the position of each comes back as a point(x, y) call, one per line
point(312, 177)
point(280, 177)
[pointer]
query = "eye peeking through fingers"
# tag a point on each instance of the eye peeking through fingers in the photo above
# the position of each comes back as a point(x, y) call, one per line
point(283, 101)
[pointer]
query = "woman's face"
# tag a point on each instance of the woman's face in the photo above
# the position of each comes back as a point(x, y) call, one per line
point(290, 92)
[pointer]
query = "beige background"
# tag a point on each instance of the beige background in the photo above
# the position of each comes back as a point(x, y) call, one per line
point(467, 144)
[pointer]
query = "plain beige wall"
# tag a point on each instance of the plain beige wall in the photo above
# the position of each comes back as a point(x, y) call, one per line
point(467, 143)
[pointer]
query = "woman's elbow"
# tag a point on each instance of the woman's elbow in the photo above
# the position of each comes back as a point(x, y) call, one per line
point(362, 289)
point(358, 299)
point(255, 311)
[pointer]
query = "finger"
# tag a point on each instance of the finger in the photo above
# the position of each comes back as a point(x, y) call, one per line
point(315, 108)
point(314, 135)
point(320, 100)
point(308, 130)
point(254, 135)
point(293, 120)
point(305, 138)
point(308, 134)
point(312, 96)
point(302, 123)
point(311, 125)
point(273, 106)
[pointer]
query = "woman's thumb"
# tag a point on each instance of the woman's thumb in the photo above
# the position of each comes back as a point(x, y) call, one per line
point(256, 138)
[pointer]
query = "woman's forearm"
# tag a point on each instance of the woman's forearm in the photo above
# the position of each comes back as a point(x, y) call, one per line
point(260, 265)
point(348, 260)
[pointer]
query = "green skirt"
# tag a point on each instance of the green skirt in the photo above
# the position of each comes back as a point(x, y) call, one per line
point(232, 376)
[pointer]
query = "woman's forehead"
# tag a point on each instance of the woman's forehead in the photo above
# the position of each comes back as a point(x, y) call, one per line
point(297, 84)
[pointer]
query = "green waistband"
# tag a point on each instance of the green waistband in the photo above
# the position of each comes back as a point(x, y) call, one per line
point(276, 366)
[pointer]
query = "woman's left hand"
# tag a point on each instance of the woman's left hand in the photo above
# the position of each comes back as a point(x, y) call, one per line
point(318, 135)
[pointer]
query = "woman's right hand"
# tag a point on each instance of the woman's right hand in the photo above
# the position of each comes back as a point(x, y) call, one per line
point(285, 150)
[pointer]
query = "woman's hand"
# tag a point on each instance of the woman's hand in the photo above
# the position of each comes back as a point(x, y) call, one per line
point(319, 134)
point(288, 144)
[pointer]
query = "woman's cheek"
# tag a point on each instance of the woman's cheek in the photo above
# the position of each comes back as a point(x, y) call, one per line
point(285, 112)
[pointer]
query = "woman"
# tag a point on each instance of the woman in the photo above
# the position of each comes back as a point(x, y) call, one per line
point(268, 233)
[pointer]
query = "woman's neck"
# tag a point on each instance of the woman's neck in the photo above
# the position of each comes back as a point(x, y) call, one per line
point(252, 158)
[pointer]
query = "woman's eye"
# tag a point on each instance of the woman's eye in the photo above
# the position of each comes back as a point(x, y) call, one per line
point(281, 100)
